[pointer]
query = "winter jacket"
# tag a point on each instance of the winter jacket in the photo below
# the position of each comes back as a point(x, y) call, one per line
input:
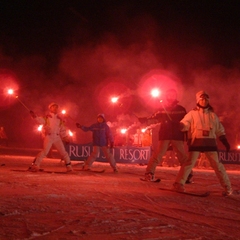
point(102, 134)
point(169, 119)
point(52, 124)
point(203, 128)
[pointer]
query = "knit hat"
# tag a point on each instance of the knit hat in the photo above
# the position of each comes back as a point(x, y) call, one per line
point(52, 104)
point(200, 95)
point(101, 115)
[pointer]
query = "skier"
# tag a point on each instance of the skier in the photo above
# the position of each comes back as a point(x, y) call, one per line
point(102, 136)
point(203, 127)
point(54, 134)
point(169, 116)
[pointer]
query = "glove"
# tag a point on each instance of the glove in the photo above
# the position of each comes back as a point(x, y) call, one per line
point(78, 125)
point(33, 115)
point(180, 126)
point(225, 142)
point(66, 140)
point(142, 120)
point(111, 144)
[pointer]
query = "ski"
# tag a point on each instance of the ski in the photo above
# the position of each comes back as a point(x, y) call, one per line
point(93, 171)
point(155, 181)
point(60, 172)
point(236, 192)
point(75, 171)
point(195, 194)
point(43, 171)
point(27, 170)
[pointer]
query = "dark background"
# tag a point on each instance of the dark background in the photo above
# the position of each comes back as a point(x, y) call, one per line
point(80, 53)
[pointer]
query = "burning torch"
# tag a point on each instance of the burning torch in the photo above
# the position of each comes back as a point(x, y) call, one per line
point(156, 93)
point(64, 112)
point(165, 110)
point(114, 100)
point(11, 92)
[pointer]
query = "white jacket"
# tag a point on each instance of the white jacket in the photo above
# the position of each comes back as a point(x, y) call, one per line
point(52, 125)
point(202, 124)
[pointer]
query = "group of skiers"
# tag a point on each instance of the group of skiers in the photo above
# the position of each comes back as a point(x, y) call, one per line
point(54, 133)
point(200, 127)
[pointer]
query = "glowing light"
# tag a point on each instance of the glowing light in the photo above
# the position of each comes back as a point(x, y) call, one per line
point(10, 91)
point(70, 133)
point(143, 130)
point(64, 112)
point(123, 130)
point(155, 92)
point(114, 99)
point(238, 147)
point(40, 128)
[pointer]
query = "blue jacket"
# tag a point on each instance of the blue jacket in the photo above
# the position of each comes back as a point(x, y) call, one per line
point(102, 134)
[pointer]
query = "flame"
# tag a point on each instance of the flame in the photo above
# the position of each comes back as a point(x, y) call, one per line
point(10, 91)
point(114, 99)
point(155, 92)
point(40, 128)
point(123, 130)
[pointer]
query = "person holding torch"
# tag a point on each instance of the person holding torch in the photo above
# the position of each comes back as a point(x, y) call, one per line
point(102, 137)
point(54, 135)
point(169, 115)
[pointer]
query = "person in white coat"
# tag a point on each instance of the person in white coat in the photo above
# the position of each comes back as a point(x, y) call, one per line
point(203, 128)
point(54, 133)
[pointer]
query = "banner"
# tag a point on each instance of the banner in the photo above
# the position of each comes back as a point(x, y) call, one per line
point(129, 154)
point(232, 157)
point(121, 154)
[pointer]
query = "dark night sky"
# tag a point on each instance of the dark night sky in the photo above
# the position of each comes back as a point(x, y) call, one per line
point(73, 52)
point(46, 27)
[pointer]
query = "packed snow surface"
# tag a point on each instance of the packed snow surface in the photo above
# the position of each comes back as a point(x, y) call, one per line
point(90, 205)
